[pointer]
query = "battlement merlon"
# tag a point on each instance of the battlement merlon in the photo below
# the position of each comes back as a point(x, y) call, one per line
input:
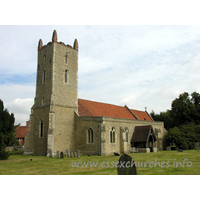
point(54, 40)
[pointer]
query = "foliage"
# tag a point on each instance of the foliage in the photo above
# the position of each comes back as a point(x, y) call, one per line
point(184, 136)
point(182, 121)
point(163, 117)
point(7, 130)
point(3, 154)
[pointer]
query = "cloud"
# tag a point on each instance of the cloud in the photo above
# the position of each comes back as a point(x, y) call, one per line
point(141, 66)
point(21, 109)
point(18, 99)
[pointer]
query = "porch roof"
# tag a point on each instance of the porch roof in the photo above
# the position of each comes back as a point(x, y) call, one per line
point(141, 133)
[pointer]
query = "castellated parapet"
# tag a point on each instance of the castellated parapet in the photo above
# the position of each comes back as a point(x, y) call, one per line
point(56, 100)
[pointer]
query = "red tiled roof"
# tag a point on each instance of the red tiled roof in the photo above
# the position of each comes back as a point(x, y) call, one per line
point(21, 131)
point(96, 109)
point(142, 115)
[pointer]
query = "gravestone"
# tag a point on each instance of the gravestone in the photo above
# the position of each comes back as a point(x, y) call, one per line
point(61, 154)
point(50, 153)
point(67, 153)
point(197, 145)
point(185, 146)
point(78, 153)
point(126, 165)
point(58, 154)
point(72, 154)
point(168, 148)
point(75, 154)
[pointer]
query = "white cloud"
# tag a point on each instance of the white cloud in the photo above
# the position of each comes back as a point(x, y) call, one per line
point(18, 99)
point(21, 109)
point(134, 65)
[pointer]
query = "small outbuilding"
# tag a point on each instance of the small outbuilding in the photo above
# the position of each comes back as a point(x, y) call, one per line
point(144, 139)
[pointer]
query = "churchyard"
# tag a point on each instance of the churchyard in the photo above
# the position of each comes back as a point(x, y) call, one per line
point(160, 163)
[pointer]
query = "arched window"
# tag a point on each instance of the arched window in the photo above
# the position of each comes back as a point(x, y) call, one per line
point(90, 136)
point(112, 135)
point(41, 128)
point(66, 76)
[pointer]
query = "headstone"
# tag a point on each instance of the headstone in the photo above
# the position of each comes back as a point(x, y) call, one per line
point(154, 149)
point(185, 146)
point(197, 145)
point(126, 165)
point(75, 154)
point(58, 154)
point(67, 153)
point(72, 154)
point(50, 153)
point(168, 148)
point(78, 153)
point(61, 154)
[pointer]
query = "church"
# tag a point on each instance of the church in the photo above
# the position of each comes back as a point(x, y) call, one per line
point(59, 121)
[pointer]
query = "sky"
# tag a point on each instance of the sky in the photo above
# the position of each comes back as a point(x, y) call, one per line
point(138, 66)
point(135, 53)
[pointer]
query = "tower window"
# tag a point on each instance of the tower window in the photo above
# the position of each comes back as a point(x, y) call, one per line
point(66, 59)
point(66, 74)
point(112, 135)
point(42, 100)
point(45, 58)
point(44, 76)
point(90, 136)
point(41, 130)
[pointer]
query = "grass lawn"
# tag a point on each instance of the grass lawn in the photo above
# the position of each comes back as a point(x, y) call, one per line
point(41, 165)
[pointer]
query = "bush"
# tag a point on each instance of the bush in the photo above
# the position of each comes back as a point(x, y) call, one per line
point(4, 155)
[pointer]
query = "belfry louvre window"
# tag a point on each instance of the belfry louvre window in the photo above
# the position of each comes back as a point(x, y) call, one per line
point(112, 135)
point(41, 128)
point(90, 136)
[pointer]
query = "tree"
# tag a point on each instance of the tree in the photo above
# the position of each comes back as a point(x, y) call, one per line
point(163, 117)
point(7, 130)
point(174, 135)
point(183, 110)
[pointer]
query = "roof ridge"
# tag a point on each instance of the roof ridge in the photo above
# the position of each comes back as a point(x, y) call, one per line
point(101, 102)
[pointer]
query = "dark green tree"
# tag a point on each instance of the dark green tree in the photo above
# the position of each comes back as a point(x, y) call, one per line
point(183, 110)
point(7, 130)
point(163, 117)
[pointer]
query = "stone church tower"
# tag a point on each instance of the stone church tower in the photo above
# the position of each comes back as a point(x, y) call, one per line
point(52, 120)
